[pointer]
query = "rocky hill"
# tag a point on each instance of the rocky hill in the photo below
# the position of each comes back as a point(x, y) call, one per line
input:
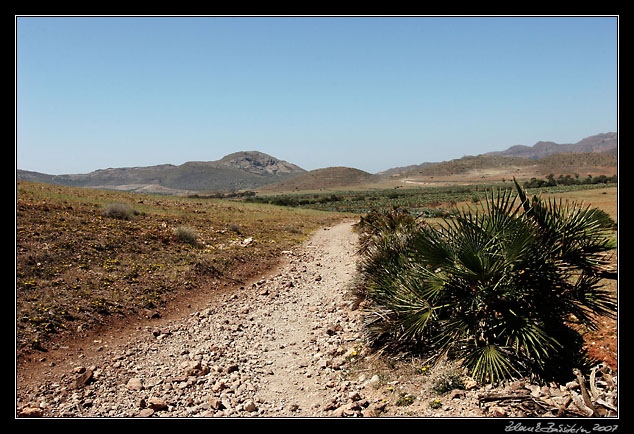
point(258, 163)
point(495, 167)
point(237, 171)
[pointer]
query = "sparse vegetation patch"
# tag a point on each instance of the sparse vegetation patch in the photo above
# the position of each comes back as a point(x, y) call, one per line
point(430, 202)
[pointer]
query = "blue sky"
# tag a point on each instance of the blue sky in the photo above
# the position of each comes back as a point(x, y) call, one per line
point(365, 92)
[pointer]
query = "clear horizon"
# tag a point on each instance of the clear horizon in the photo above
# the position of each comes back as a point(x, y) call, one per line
point(365, 92)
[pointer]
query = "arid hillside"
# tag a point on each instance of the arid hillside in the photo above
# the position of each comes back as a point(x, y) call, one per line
point(88, 257)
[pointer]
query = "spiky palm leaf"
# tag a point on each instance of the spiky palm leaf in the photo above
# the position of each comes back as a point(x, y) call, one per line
point(495, 286)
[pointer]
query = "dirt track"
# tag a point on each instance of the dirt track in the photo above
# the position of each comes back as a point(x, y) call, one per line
point(273, 348)
point(287, 345)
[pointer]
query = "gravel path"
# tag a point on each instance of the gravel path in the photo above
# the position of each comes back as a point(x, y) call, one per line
point(286, 345)
point(273, 348)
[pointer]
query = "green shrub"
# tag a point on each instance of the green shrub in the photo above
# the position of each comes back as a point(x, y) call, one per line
point(504, 288)
point(604, 219)
point(385, 232)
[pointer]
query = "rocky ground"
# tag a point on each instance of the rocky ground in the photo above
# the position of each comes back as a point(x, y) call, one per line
point(289, 344)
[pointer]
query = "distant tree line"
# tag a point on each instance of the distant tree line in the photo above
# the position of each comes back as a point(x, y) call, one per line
point(294, 201)
point(551, 181)
point(221, 195)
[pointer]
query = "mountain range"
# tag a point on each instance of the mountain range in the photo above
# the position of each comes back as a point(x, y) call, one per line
point(600, 143)
point(253, 170)
point(603, 143)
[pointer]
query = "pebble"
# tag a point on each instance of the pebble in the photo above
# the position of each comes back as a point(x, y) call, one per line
point(134, 384)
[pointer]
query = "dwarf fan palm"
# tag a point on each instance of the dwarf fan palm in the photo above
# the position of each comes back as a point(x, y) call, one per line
point(500, 287)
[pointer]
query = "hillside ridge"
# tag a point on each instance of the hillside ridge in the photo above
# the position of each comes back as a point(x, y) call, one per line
point(602, 143)
point(599, 143)
point(237, 171)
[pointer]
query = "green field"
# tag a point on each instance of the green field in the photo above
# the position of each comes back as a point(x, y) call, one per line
point(428, 201)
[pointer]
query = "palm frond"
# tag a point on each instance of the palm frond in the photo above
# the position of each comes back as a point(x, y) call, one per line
point(528, 337)
point(490, 363)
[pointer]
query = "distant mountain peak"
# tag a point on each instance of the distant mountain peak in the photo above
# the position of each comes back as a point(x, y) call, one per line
point(602, 142)
point(258, 162)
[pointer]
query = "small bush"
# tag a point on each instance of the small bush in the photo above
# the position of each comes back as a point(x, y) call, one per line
point(187, 235)
point(405, 400)
point(604, 219)
point(448, 382)
point(120, 211)
point(292, 229)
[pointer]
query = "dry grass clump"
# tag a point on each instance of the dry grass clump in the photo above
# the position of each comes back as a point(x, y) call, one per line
point(118, 210)
point(187, 235)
